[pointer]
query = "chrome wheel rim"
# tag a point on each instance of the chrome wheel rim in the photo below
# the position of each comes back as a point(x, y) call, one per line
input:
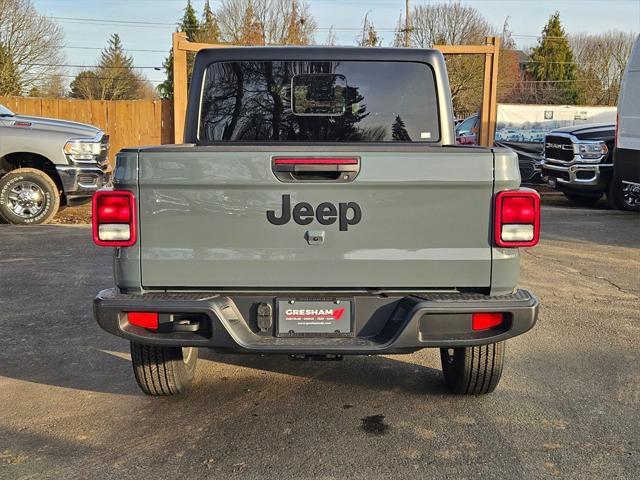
point(26, 200)
point(631, 195)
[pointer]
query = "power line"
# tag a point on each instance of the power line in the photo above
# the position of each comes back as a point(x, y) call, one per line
point(104, 78)
point(74, 47)
point(85, 66)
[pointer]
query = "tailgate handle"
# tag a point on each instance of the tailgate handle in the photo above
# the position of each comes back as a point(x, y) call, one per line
point(322, 169)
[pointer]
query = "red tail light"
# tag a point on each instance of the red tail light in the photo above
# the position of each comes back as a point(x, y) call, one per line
point(143, 319)
point(114, 218)
point(517, 218)
point(485, 321)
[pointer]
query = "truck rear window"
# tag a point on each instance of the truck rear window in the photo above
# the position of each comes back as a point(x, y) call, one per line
point(317, 101)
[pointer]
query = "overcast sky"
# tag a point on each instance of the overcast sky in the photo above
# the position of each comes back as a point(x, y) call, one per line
point(526, 19)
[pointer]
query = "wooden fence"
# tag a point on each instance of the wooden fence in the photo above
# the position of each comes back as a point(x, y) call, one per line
point(129, 123)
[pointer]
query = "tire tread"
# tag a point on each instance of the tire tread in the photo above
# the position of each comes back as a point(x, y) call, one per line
point(161, 371)
point(474, 370)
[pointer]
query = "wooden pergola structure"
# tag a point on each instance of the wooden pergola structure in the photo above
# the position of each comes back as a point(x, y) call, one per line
point(490, 50)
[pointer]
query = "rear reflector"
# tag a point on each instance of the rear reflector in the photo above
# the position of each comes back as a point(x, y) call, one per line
point(143, 319)
point(484, 321)
point(517, 218)
point(114, 218)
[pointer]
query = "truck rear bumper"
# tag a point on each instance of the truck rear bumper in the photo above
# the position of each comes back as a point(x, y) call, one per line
point(382, 324)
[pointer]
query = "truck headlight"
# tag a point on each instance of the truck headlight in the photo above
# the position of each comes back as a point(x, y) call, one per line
point(82, 150)
point(593, 151)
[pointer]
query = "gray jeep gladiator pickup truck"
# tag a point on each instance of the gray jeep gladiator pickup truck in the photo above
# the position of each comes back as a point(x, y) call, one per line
point(46, 164)
point(318, 209)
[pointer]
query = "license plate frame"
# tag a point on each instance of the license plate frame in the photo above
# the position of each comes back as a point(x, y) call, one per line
point(315, 317)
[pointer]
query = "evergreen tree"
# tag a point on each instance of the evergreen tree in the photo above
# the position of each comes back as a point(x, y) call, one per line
point(251, 30)
point(209, 30)
point(9, 76)
point(118, 79)
point(295, 34)
point(188, 24)
point(114, 78)
point(399, 131)
point(553, 65)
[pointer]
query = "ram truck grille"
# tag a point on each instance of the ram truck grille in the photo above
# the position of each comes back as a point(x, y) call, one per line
point(558, 148)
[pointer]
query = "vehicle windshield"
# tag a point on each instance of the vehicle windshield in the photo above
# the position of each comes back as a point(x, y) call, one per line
point(466, 127)
point(5, 112)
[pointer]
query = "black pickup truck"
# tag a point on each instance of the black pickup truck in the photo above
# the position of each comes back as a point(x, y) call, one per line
point(578, 162)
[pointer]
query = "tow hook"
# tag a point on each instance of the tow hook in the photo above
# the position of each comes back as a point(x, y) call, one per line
point(186, 325)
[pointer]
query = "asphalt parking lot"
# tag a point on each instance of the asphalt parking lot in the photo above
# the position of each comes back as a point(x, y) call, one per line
point(568, 405)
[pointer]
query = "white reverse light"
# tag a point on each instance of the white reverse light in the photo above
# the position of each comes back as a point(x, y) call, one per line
point(517, 233)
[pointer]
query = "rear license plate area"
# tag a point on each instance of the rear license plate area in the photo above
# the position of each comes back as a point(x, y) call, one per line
point(329, 317)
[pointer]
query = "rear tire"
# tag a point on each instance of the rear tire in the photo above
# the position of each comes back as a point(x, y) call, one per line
point(585, 200)
point(163, 371)
point(472, 370)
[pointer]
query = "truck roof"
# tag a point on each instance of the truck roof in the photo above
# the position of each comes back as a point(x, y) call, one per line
point(386, 54)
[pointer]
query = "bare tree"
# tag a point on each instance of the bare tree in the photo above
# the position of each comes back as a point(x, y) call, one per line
point(31, 43)
point(447, 24)
point(510, 72)
point(332, 38)
point(53, 87)
point(282, 21)
point(452, 24)
point(601, 60)
point(369, 36)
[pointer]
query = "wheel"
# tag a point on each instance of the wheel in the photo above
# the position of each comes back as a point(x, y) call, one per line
point(28, 197)
point(472, 370)
point(582, 199)
point(163, 370)
point(624, 196)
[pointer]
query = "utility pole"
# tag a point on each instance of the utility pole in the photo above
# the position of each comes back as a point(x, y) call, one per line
point(407, 25)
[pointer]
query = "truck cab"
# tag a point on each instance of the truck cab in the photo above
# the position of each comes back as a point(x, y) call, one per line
point(319, 208)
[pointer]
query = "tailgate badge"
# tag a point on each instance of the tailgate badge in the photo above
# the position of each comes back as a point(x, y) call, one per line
point(326, 213)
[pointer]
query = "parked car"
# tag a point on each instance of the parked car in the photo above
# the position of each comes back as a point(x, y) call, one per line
point(46, 164)
point(292, 222)
point(528, 154)
point(625, 187)
point(578, 161)
point(467, 131)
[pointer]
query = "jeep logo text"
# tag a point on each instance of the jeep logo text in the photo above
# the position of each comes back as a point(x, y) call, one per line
point(326, 213)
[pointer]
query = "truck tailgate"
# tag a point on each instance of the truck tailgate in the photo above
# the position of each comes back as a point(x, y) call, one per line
point(425, 220)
